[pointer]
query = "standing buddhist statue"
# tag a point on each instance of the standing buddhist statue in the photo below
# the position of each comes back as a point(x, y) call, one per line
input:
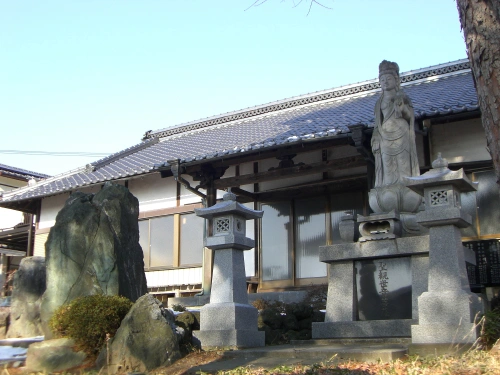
point(393, 140)
point(393, 146)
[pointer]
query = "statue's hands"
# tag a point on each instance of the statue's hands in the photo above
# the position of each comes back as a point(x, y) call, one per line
point(375, 147)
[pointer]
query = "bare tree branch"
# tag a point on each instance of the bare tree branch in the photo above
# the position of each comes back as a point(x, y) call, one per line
point(295, 3)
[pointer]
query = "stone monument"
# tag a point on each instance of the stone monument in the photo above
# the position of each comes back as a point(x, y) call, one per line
point(374, 283)
point(406, 275)
point(228, 321)
point(448, 309)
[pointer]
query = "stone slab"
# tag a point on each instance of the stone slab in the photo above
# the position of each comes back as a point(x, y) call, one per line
point(230, 339)
point(465, 333)
point(362, 329)
point(374, 249)
point(228, 316)
point(270, 357)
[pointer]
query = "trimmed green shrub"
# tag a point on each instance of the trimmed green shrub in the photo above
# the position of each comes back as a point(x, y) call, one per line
point(178, 307)
point(88, 319)
point(490, 330)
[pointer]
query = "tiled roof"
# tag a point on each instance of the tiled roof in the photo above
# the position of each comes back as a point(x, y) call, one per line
point(439, 90)
point(20, 173)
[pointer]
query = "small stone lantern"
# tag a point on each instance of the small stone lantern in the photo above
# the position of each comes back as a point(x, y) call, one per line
point(228, 321)
point(448, 309)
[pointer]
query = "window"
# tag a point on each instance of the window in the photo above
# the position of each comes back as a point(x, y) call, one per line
point(293, 231)
point(483, 207)
point(172, 241)
point(192, 234)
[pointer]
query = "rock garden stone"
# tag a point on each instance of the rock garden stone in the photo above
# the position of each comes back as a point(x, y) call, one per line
point(94, 248)
point(54, 356)
point(144, 341)
point(29, 285)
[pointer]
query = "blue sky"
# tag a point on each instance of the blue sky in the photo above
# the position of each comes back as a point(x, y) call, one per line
point(94, 75)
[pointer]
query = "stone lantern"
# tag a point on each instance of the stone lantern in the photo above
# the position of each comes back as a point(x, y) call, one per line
point(448, 309)
point(228, 320)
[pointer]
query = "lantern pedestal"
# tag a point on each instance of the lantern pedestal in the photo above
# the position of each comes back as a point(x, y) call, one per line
point(228, 321)
point(447, 311)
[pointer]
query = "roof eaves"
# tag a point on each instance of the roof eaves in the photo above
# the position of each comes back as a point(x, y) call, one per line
point(339, 92)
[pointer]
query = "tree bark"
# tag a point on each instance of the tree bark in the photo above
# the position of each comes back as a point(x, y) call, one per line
point(480, 21)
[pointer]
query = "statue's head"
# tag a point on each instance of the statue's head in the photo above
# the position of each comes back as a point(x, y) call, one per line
point(388, 74)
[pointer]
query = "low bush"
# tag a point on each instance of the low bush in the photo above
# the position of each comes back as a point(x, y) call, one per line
point(88, 319)
point(490, 328)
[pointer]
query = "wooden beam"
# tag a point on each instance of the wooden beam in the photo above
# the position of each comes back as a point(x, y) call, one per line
point(295, 171)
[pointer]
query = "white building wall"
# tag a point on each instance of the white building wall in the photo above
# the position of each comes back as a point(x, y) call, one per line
point(184, 276)
point(50, 208)
point(9, 218)
point(154, 192)
point(459, 142)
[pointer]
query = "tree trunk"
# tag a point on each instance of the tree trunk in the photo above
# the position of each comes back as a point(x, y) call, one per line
point(480, 20)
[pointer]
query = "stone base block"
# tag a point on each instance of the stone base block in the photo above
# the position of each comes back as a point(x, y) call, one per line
point(448, 308)
point(363, 329)
point(465, 333)
point(228, 316)
point(230, 339)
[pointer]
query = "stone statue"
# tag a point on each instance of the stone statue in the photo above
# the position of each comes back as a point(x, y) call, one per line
point(393, 147)
point(393, 140)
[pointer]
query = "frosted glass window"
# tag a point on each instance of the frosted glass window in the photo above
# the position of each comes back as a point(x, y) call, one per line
point(249, 255)
point(276, 242)
point(161, 241)
point(310, 219)
point(469, 205)
point(144, 240)
point(488, 201)
point(341, 203)
point(191, 239)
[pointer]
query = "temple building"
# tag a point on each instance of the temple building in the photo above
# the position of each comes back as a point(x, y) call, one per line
point(17, 228)
point(305, 161)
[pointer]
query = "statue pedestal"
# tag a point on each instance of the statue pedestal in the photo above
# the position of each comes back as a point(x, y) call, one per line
point(365, 284)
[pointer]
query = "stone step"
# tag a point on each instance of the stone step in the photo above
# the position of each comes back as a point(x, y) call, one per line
point(352, 341)
point(288, 355)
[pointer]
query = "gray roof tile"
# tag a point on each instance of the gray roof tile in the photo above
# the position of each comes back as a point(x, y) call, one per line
point(440, 90)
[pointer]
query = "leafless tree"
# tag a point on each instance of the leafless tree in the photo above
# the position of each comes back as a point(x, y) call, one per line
point(295, 3)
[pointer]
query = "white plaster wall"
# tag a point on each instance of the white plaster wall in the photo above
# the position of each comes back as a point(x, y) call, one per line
point(50, 207)
point(9, 218)
point(246, 168)
point(249, 255)
point(186, 196)
point(185, 276)
point(459, 142)
point(154, 192)
point(307, 158)
point(230, 172)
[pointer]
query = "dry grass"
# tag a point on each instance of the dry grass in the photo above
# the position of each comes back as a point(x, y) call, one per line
point(474, 362)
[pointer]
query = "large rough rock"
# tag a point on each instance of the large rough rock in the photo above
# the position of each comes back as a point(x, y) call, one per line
point(29, 285)
point(94, 248)
point(54, 356)
point(145, 340)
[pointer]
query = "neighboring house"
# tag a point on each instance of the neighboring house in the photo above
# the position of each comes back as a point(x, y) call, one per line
point(16, 228)
point(304, 161)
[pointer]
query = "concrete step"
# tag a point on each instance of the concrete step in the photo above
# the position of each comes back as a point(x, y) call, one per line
point(289, 355)
point(361, 341)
